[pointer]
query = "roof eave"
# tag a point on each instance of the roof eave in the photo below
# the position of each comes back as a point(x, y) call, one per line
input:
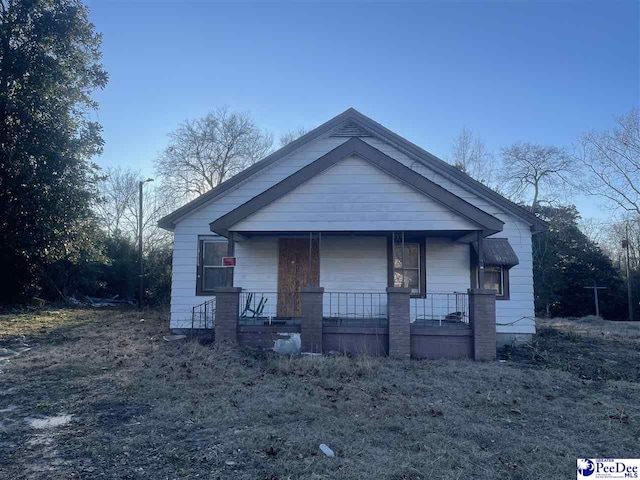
point(485, 221)
point(168, 222)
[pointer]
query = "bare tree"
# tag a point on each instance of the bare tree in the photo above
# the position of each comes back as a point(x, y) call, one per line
point(593, 229)
point(613, 160)
point(628, 228)
point(291, 135)
point(533, 171)
point(118, 208)
point(205, 152)
point(118, 189)
point(470, 156)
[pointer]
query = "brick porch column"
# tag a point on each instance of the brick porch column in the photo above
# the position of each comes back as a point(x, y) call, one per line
point(311, 327)
point(398, 318)
point(227, 312)
point(482, 317)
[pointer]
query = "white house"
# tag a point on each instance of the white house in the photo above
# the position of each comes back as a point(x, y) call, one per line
point(354, 208)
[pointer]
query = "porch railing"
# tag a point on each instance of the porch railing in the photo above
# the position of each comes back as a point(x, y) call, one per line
point(440, 309)
point(270, 308)
point(203, 316)
point(355, 309)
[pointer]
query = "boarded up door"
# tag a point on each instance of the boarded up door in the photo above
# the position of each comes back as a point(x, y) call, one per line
point(296, 270)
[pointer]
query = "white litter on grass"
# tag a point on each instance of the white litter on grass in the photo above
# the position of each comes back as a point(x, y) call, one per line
point(173, 338)
point(49, 422)
point(6, 353)
point(290, 344)
point(326, 450)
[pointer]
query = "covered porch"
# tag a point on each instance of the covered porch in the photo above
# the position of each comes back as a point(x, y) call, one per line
point(354, 268)
point(395, 335)
point(353, 278)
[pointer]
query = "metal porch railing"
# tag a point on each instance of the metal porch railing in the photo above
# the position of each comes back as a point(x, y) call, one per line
point(270, 308)
point(203, 316)
point(440, 309)
point(355, 309)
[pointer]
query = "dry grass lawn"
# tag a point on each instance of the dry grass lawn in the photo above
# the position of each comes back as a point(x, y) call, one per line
point(102, 395)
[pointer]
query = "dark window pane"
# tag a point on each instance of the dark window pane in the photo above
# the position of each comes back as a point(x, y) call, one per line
point(407, 257)
point(213, 277)
point(406, 279)
point(493, 279)
point(411, 279)
point(212, 253)
point(411, 255)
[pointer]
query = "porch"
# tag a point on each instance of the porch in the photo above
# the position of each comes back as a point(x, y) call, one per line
point(356, 277)
point(353, 309)
point(455, 325)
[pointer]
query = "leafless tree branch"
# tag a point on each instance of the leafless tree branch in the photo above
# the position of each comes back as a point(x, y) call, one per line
point(470, 155)
point(613, 159)
point(203, 153)
point(540, 172)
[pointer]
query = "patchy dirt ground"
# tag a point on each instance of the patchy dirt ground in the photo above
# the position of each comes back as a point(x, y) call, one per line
point(87, 394)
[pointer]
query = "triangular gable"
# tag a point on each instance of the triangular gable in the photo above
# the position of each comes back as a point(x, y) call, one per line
point(354, 195)
point(354, 124)
point(484, 221)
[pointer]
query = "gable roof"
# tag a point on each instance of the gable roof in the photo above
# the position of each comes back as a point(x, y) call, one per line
point(349, 120)
point(355, 146)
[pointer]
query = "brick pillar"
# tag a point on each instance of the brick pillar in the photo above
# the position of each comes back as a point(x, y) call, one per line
point(399, 326)
point(227, 312)
point(482, 316)
point(311, 327)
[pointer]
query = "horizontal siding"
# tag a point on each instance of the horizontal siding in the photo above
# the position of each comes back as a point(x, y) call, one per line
point(448, 266)
point(188, 228)
point(517, 314)
point(260, 182)
point(447, 271)
point(351, 266)
point(257, 264)
point(311, 207)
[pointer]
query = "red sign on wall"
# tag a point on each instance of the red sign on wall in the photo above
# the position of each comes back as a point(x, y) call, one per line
point(228, 261)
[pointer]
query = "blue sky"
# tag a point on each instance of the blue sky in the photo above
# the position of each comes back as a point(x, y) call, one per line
point(511, 71)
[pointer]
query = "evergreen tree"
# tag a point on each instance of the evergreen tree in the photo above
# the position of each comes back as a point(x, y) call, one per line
point(565, 261)
point(49, 67)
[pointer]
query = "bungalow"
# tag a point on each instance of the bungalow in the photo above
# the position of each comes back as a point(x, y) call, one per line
point(360, 241)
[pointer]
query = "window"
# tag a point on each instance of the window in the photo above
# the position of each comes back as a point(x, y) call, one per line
point(211, 273)
point(495, 279)
point(406, 266)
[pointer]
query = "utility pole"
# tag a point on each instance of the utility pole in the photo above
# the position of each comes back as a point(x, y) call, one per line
point(625, 245)
point(595, 289)
point(141, 274)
